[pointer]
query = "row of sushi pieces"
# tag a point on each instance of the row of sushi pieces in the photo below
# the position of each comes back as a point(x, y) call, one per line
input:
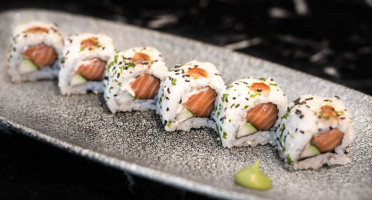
point(309, 132)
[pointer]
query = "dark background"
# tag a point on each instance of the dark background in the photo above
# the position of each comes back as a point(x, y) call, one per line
point(331, 39)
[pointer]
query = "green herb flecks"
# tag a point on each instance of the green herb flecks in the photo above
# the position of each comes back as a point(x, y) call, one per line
point(289, 160)
point(262, 79)
point(174, 80)
point(224, 97)
point(224, 135)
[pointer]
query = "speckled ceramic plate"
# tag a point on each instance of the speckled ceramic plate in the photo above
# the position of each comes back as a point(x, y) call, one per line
point(136, 141)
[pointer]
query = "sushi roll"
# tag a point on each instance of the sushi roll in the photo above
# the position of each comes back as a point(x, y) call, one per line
point(314, 131)
point(247, 110)
point(132, 79)
point(83, 63)
point(34, 51)
point(186, 97)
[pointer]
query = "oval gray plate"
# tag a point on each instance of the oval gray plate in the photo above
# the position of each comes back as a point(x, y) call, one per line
point(195, 160)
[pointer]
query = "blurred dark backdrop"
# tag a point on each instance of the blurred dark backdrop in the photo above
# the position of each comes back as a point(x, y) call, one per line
point(331, 39)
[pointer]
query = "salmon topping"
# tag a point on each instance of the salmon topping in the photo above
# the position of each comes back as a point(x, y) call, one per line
point(93, 70)
point(37, 29)
point(140, 58)
point(261, 87)
point(89, 43)
point(262, 116)
point(201, 104)
point(197, 72)
point(42, 55)
point(145, 86)
point(328, 112)
point(328, 140)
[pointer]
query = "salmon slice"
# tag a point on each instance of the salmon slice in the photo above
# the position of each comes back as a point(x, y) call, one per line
point(42, 55)
point(93, 70)
point(37, 29)
point(89, 43)
point(328, 112)
point(140, 58)
point(261, 87)
point(197, 72)
point(201, 104)
point(145, 86)
point(262, 116)
point(328, 140)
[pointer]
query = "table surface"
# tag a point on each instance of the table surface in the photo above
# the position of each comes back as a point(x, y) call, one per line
point(331, 43)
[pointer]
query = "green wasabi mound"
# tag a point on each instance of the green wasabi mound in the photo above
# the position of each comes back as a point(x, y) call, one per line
point(252, 177)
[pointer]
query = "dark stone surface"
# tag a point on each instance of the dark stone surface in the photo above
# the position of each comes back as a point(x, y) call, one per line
point(332, 40)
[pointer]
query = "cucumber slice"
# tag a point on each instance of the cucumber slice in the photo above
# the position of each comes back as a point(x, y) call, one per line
point(27, 66)
point(310, 151)
point(125, 97)
point(183, 115)
point(77, 79)
point(246, 129)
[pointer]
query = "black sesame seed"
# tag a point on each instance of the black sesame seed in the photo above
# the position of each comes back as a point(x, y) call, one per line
point(187, 80)
point(167, 109)
point(180, 101)
point(246, 99)
point(145, 63)
point(298, 112)
point(301, 116)
point(25, 35)
point(168, 90)
point(296, 130)
point(237, 106)
point(302, 132)
point(103, 48)
point(166, 98)
point(118, 75)
point(120, 62)
point(259, 90)
point(342, 118)
point(115, 95)
point(177, 73)
point(319, 129)
point(234, 98)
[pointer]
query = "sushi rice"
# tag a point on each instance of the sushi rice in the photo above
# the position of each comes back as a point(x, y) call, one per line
point(234, 102)
point(176, 90)
point(303, 120)
point(22, 38)
point(75, 55)
point(121, 73)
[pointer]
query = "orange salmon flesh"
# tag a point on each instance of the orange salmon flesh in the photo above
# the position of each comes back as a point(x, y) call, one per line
point(42, 55)
point(92, 71)
point(145, 86)
point(328, 140)
point(262, 116)
point(201, 104)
